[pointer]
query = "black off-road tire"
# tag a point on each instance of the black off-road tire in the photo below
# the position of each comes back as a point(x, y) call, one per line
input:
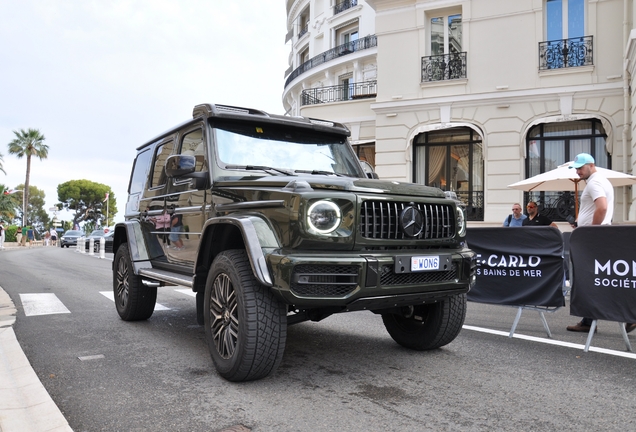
point(430, 326)
point(245, 324)
point(134, 300)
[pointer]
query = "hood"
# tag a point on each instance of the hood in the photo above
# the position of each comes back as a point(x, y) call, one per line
point(349, 184)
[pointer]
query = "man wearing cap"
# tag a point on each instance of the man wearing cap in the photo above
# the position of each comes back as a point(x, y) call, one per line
point(597, 208)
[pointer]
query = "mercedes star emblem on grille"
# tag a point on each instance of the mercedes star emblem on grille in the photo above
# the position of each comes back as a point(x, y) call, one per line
point(412, 221)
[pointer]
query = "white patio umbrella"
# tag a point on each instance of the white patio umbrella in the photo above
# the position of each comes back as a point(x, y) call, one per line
point(564, 178)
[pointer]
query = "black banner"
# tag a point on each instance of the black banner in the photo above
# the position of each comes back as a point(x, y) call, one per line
point(604, 273)
point(518, 266)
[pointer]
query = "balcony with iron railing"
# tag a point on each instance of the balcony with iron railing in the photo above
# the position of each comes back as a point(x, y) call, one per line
point(339, 93)
point(343, 6)
point(303, 31)
point(444, 67)
point(566, 53)
point(334, 53)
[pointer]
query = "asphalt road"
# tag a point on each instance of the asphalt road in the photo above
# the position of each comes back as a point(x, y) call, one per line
point(342, 374)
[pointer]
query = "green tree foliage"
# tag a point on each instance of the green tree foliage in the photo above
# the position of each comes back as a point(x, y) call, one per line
point(10, 233)
point(86, 198)
point(9, 204)
point(28, 143)
point(38, 216)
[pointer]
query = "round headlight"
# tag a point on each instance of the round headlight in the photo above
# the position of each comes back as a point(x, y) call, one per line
point(461, 221)
point(324, 216)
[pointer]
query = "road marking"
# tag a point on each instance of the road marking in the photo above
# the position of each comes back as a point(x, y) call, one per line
point(91, 357)
point(187, 292)
point(42, 304)
point(553, 342)
point(109, 295)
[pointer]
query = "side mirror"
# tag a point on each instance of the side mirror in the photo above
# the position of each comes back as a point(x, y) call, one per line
point(368, 170)
point(180, 165)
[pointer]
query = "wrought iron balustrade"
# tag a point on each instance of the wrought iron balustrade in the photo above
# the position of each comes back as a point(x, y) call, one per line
point(341, 50)
point(555, 205)
point(474, 202)
point(566, 53)
point(303, 30)
point(444, 67)
point(343, 6)
point(339, 93)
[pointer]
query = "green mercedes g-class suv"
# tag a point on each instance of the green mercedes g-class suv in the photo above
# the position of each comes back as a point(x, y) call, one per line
point(272, 221)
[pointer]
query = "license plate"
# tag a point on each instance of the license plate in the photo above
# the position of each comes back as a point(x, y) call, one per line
point(424, 263)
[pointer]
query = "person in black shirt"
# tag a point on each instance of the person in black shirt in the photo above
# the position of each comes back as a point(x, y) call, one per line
point(536, 219)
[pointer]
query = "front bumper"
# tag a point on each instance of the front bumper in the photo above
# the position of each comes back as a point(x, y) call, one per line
point(356, 281)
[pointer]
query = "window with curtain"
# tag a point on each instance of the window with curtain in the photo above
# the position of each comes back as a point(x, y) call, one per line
point(549, 145)
point(452, 160)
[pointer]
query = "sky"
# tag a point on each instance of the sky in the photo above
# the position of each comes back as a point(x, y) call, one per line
point(100, 78)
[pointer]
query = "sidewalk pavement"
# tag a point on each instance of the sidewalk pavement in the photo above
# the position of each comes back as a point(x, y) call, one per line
point(25, 405)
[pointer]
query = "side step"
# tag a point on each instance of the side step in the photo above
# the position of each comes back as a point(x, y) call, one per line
point(166, 276)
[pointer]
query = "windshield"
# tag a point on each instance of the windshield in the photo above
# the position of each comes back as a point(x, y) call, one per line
point(97, 233)
point(279, 150)
point(74, 233)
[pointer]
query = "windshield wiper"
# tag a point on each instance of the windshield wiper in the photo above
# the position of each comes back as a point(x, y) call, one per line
point(319, 172)
point(260, 168)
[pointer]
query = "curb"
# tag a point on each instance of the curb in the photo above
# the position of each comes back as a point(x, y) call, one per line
point(25, 405)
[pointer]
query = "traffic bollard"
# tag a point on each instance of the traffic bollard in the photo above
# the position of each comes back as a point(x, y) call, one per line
point(91, 246)
point(102, 248)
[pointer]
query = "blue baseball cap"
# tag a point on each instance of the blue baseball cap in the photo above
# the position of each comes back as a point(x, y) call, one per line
point(582, 159)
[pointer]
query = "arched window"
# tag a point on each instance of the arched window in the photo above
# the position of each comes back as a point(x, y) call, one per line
point(452, 160)
point(549, 145)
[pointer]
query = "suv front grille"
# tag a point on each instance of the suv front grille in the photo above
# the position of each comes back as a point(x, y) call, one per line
point(324, 280)
point(381, 220)
point(388, 277)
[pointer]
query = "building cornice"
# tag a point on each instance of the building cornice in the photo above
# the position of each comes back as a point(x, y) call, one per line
point(498, 98)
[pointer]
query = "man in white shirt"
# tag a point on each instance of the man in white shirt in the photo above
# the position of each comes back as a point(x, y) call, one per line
point(597, 208)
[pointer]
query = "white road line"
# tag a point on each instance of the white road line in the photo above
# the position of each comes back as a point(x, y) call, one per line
point(187, 291)
point(553, 342)
point(42, 304)
point(109, 295)
point(91, 357)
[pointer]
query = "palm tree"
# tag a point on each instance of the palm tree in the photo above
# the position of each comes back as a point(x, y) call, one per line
point(1, 168)
point(28, 143)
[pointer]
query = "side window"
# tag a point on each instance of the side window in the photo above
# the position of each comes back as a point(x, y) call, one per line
point(158, 176)
point(193, 144)
point(140, 169)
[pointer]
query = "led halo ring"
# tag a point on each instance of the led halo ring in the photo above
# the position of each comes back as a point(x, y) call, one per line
point(461, 221)
point(313, 213)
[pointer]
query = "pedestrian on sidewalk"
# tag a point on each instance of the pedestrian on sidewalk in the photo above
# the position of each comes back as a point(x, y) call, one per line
point(2, 234)
point(30, 236)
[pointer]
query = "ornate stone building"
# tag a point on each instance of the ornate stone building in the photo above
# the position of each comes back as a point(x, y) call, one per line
point(471, 96)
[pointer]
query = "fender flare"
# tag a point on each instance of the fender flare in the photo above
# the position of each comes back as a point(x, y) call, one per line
point(257, 235)
point(130, 232)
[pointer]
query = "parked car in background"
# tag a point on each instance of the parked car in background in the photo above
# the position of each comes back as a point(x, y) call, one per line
point(70, 238)
point(97, 236)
